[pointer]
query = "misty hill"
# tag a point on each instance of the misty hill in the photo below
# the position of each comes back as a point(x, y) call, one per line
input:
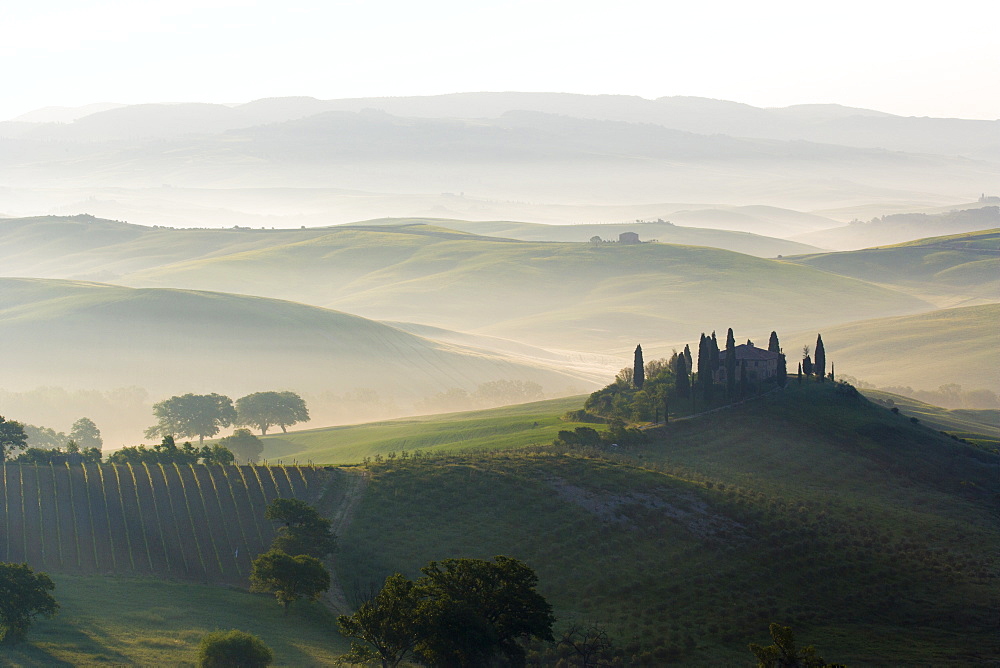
point(598, 161)
point(955, 268)
point(555, 295)
point(95, 336)
point(900, 227)
point(831, 123)
point(924, 351)
point(664, 232)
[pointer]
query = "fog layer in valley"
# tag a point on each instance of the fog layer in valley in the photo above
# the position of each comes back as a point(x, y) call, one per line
point(450, 288)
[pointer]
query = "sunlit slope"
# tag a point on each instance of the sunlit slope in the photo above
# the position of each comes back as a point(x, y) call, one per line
point(501, 428)
point(980, 426)
point(92, 335)
point(664, 232)
point(563, 295)
point(961, 265)
point(923, 351)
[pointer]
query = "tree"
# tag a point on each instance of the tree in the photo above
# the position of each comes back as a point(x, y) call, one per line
point(782, 375)
point(638, 369)
point(773, 345)
point(264, 410)
point(304, 530)
point(784, 654)
point(704, 379)
point(800, 373)
point(24, 595)
point(820, 362)
point(682, 381)
point(387, 622)
point(216, 454)
point(687, 356)
point(12, 437)
point(228, 649)
point(807, 366)
point(86, 434)
point(588, 643)
point(289, 578)
point(477, 609)
point(245, 446)
point(192, 415)
point(730, 364)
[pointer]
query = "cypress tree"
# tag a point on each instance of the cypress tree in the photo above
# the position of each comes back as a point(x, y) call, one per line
point(682, 382)
point(833, 375)
point(807, 366)
point(820, 364)
point(782, 376)
point(687, 356)
point(772, 343)
point(800, 373)
point(730, 364)
point(638, 369)
point(715, 352)
point(705, 367)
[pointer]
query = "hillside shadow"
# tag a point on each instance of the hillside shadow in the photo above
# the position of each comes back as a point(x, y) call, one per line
point(72, 642)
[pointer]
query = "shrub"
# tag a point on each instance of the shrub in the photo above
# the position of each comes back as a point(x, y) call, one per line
point(229, 649)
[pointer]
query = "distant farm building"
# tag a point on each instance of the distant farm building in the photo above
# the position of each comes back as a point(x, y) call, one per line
point(628, 238)
point(761, 364)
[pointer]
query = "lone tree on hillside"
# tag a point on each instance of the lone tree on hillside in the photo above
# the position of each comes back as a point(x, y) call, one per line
point(264, 410)
point(820, 363)
point(638, 369)
point(86, 434)
point(289, 578)
point(304, 530)
point(192, 415)
point(24, 595)
point(245, 446)
point(12, 437)
point(226, 649)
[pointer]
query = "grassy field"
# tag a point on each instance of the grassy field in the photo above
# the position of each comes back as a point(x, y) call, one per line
point(948, 269)
point(875, 537)
point(146, 622)
point(979, 426)
point(574, 296)
point(924, 351)
point(496, 428)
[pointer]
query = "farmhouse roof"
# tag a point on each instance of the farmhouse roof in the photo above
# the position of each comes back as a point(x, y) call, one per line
point(745, 352)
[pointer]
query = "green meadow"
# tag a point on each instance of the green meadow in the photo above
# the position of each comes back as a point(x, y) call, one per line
point(115, 621)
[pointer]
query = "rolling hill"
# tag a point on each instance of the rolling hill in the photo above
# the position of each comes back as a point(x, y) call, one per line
point(96, 336)
point(664, 232)
point(899, 228)
point(923, 351)
point(954, 269)
point(556, 295)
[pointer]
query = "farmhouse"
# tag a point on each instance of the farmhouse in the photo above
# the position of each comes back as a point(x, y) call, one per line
point(628, 238)
point(760, 364)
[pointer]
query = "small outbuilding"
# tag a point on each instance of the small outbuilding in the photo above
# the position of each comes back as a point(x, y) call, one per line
point(628, 238)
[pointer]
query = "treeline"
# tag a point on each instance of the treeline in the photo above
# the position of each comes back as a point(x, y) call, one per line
point(486, 395)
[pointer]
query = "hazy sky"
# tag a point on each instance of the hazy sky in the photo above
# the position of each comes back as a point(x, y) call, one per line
point(914, 59)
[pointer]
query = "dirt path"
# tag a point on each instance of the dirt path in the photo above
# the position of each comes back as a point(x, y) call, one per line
point(355, 484)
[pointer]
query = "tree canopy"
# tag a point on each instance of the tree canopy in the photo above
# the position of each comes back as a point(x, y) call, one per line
point(167, 452)
point(245, 446)
point(289, 577)
point(24, 595)
point(264, 410)
point(304, 530)
point(192, 415)
point(462, 612)
point(12, 437)
point(225, 649)
point(86, 434)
